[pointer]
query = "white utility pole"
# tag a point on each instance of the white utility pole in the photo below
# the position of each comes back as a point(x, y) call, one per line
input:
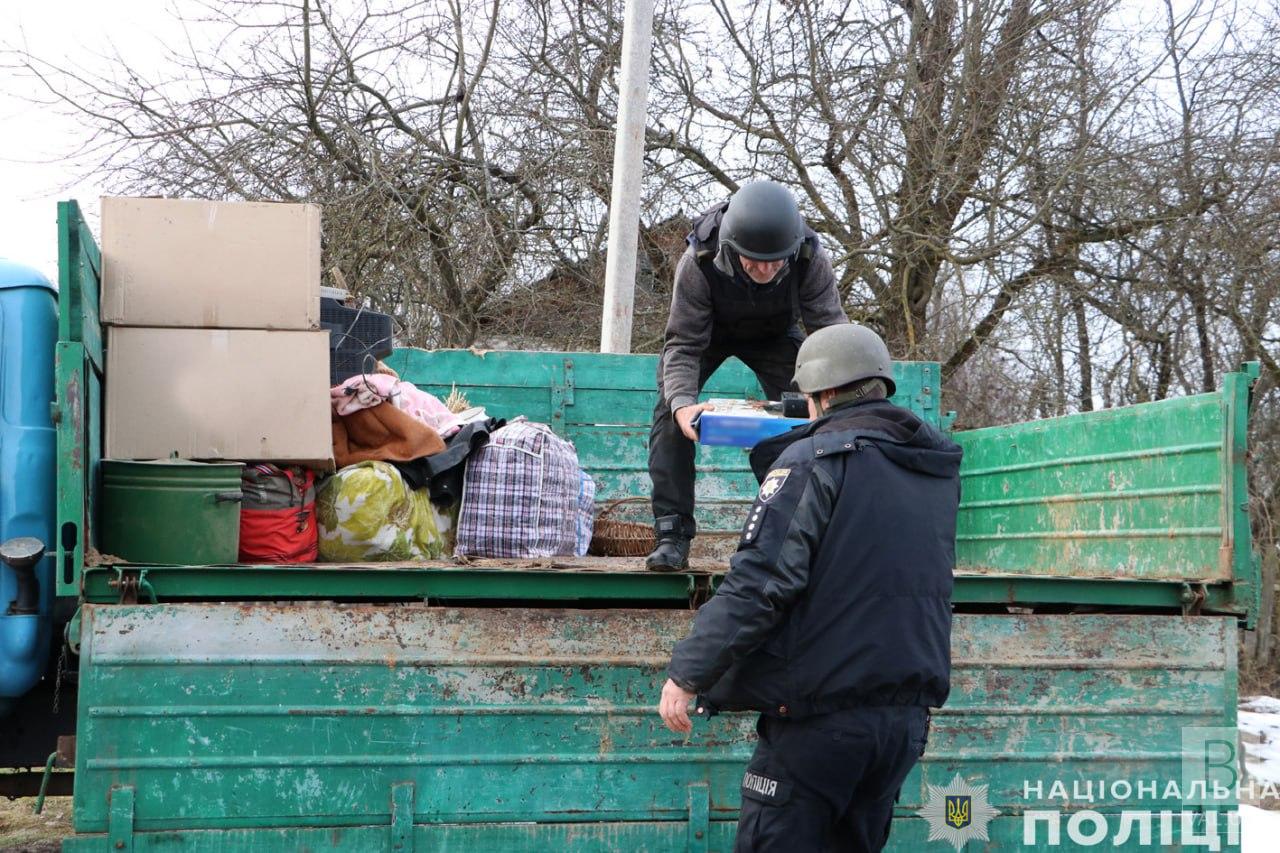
point(628, 165)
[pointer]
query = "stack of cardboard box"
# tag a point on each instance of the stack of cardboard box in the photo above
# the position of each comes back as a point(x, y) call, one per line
point(213, 352)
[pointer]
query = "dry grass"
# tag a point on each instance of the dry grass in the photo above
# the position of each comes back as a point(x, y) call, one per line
point(1259, 680)
point(23, 831)
point(456, 401)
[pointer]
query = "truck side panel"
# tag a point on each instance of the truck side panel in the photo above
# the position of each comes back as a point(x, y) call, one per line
point(1133, 493)
point(519, 728)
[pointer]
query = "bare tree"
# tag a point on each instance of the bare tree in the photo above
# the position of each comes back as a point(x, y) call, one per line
point(1062, 205)
point(396, 116)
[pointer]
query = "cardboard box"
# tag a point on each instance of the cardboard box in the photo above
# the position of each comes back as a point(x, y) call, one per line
point(210, 264)
point(238, 394)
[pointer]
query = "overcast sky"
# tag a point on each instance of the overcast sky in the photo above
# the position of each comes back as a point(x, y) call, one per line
point(35, 140)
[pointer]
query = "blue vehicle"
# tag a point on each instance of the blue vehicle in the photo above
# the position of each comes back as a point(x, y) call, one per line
point(28, 466)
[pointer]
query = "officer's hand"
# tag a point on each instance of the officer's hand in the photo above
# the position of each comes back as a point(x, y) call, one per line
point(684, 418)
point(674, 706)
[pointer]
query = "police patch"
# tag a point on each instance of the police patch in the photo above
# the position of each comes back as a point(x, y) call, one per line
point(773, 483)
point(756, 786)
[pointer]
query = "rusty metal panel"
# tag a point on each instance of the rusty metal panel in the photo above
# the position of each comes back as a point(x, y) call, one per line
point(284, 726)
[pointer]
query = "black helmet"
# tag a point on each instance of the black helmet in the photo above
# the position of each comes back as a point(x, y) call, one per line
point(762, 222)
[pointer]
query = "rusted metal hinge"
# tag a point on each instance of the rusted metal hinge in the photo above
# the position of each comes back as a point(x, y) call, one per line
point(129, 582)
point(1193, 596)
point(126, 583)
point(700, 590)
point(562, 396)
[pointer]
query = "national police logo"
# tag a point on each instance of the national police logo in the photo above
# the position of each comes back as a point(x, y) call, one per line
point(773, 483)
point(957, 812)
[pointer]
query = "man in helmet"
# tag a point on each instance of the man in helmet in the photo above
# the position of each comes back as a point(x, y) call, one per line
point(752, 274)
point(834, 620)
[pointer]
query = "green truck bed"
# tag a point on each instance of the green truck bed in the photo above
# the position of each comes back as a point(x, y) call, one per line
point(1104, 564)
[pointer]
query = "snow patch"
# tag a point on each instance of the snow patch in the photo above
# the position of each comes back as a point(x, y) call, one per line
point(1259, 724)
point(1261, 704)
point(1259, 830)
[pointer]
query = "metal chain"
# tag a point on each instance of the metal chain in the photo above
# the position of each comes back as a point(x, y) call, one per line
point(57, 679)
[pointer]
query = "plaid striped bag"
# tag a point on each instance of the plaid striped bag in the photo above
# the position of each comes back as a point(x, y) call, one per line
point(520, 495)
point(586, 514)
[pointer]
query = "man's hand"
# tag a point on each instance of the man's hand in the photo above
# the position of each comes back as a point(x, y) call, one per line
point(684, 418)
point(674, 706)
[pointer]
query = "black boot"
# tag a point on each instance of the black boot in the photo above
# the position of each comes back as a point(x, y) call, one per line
point(671, 555)
point(672, 551)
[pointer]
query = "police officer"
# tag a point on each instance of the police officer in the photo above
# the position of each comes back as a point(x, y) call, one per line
point(752, 273)
point(834, 620)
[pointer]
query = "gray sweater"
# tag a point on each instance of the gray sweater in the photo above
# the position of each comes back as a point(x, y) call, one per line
point(690, 323)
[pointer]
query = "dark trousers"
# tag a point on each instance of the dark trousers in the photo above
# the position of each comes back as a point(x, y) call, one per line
point(671, 455)
point(828, 783)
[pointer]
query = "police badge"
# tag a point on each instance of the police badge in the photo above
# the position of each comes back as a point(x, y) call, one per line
point(773, 483)
point(958, 812)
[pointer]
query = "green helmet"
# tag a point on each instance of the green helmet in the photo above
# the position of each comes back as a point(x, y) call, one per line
point(840, 355)
point(762, 222)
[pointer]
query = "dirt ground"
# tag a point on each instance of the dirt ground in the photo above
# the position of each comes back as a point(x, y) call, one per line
point(23, 831)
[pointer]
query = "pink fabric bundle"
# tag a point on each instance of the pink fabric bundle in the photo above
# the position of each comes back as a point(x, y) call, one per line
point(369, 390)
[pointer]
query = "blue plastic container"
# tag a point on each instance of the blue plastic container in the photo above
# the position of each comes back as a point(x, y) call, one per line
point(719, 429)
point(28, 443)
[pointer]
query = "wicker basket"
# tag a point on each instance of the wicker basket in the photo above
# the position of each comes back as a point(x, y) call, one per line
point(612, 538)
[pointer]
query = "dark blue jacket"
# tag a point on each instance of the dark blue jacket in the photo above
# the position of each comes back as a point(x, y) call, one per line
point(839, 595)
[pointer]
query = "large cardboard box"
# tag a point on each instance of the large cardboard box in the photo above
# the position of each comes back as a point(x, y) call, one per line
point(240, 394)
point(210, 264)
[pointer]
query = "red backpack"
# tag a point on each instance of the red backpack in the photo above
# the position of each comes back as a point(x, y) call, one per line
point(278, 515)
